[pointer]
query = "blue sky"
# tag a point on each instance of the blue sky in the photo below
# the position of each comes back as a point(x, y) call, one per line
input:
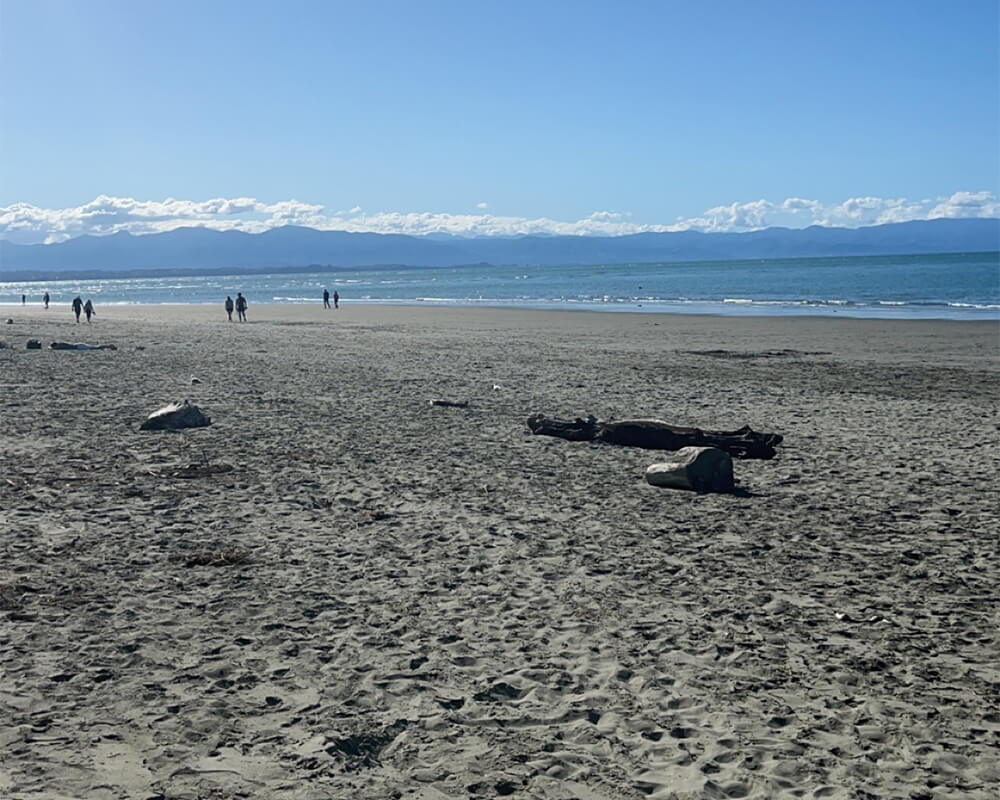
point(494, 118)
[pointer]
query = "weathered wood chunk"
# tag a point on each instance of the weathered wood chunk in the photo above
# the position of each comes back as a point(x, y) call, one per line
point(699, 469)
point(176, 416)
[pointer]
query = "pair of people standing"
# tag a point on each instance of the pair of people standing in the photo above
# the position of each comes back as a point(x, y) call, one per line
point(78, 306)
point(45, 299)
point(326, 298)
point(240, 305)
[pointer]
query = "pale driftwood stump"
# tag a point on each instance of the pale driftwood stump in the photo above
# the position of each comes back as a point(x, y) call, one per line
point(699, 469)
point(175, 417)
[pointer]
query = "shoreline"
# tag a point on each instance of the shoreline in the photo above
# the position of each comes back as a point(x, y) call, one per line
point(376, 308)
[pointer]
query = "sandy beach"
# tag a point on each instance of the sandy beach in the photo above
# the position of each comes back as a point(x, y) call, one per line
point(338, 590)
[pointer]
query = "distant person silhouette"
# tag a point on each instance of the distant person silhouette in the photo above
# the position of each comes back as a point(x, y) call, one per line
point(45, 299)
point(326, 298)
point(336, 299)
point(24, 299)
point(241, 307)
point(88, 309)
point(77, 307)
point(229, 307)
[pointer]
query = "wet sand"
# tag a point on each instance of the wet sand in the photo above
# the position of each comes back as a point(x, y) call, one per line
point(340, 590)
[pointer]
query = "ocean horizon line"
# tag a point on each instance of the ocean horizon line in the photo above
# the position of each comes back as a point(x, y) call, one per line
point(39, 276)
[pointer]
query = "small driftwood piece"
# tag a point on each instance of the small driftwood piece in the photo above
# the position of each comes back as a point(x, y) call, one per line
point(451, 403)
point(80, 346)
point(655, 434)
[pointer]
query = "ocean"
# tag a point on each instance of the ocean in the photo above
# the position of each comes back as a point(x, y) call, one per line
point(960, 286)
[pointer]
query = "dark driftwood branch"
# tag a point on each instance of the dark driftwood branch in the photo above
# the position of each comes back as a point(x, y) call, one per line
point(654, 434)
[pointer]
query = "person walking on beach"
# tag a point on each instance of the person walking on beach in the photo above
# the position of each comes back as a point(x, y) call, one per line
point(229, 307)
point(77, 308)
point(326, 298)
point(241, 307)
point(336, 299)
point(45, 299)
point(24, 299)
point(88, 309)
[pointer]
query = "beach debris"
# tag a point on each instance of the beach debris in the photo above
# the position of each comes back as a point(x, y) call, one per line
point(80, 346)
point(33, 344)
point(451, 403)
point(176, 416)
point(699, 469)
point(655, 434)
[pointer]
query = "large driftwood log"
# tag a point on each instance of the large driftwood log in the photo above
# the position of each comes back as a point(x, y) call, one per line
point(655, 434)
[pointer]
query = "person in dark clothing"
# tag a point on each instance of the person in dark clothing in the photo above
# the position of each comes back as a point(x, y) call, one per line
point(326, 298)
point(45, 299)
point(336, 299)
point(229, 307)
point(241, 307)
point(88, 309)
point(77, 307)
point(24, 299)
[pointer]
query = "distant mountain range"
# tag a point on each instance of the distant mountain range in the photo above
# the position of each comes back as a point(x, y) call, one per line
point(201, 249)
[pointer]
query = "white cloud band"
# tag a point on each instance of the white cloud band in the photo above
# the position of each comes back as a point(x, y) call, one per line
point(27, 224)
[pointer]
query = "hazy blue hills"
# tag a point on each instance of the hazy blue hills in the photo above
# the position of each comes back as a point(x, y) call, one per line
point(204, 249)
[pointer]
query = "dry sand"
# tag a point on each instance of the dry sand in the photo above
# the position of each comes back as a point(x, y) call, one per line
point(362, 595)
